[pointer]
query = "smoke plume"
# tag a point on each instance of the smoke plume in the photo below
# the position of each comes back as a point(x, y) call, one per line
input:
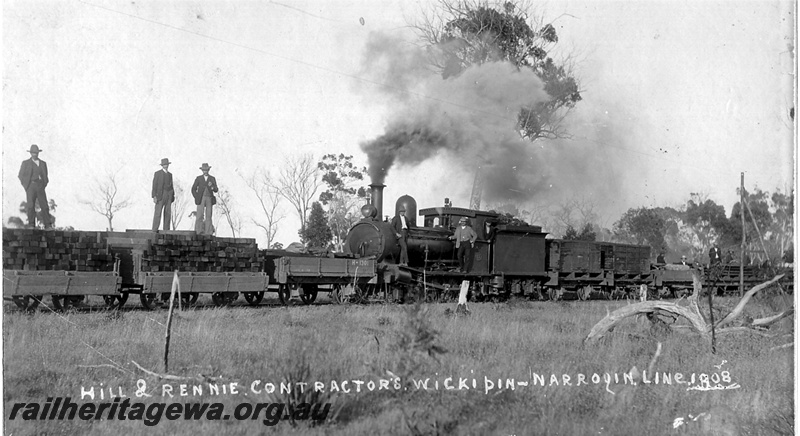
point(470, 118)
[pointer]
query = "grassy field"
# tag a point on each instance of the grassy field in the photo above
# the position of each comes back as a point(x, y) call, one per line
point(55, 355)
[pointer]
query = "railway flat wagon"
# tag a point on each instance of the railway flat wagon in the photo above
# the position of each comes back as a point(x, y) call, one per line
point(346, 278)
point(70, 265)
point(222, 267)
point(65, 265)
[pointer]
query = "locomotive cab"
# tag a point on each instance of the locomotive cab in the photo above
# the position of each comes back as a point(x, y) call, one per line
point(447, 218)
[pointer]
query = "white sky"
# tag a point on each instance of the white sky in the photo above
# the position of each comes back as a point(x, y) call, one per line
point(679, 97)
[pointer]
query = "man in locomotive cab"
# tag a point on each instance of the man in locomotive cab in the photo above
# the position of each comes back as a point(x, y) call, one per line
point(400, 226)
point(465, 238)
point(714, 255)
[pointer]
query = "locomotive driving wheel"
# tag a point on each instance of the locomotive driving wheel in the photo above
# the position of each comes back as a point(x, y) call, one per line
point(284, 293)
point(25, 302)
point(555, 294)
point(224, 298)
point(336, 294)
point(308, 293)
point(254, 298)
point(115, 301)
point(64, 302)
point(354, 294)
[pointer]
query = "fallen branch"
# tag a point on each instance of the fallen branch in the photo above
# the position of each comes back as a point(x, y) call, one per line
point(607, 323)
point(768, 321)
point(739, 307)
point(698, 322)
point(199, 377)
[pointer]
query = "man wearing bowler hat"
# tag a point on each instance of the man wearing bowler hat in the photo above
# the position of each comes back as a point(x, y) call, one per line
point(203, 191)
point(33, 176)
point(163, 195)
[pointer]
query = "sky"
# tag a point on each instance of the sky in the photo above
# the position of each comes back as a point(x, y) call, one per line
point(678, 97)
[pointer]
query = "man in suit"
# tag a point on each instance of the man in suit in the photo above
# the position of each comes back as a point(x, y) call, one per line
point(203, 191)
point(714, 255)
point(465, 240)
point(400, 226)
point(33, 176)
point(163, 195)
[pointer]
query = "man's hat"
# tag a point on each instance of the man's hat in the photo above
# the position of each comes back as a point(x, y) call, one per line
point(683, 257)
point(205, 167)
point(402, 209)
point(462, 220)
point(165, 161)
point(34, 149)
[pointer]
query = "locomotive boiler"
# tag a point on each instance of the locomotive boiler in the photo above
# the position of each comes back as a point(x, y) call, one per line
point(373, 237)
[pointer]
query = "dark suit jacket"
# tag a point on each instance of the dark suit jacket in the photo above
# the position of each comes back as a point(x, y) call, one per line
point(199, 187)
point(397, 225)
point(26, 172)
point(162, 185)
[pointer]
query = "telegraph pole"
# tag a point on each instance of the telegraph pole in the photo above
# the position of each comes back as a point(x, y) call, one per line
point(744, 234)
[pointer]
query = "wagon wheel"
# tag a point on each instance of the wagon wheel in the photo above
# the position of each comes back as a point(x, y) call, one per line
point(336, 294)
point(284, 294)
point(64, 302)
point(148, 300)
point(189, 298)
point(253, 298)
point(555, 294)
point(309, 293)
point(115, 301)
point(584, 293)
point(360, 294)
point(353, 294)
point(26, 302)
point(224, 298)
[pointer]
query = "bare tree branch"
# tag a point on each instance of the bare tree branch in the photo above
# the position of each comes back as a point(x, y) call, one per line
point(226, 209)
point(268, 195)
point(179, 205)
point(299, 182)
point(105, 200)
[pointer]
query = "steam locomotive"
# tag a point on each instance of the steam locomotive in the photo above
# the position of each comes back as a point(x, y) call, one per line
point(506, 260)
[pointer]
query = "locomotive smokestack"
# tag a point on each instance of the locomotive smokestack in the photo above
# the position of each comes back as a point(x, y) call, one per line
point(377, 198)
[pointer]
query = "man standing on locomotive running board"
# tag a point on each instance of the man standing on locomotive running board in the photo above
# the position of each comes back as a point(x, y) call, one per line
point(400, 226)
point(465, 240)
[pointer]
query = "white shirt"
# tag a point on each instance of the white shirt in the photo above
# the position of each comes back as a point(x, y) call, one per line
point(403, 221)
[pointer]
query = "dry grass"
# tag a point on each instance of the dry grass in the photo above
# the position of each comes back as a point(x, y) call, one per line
point(49, 355)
